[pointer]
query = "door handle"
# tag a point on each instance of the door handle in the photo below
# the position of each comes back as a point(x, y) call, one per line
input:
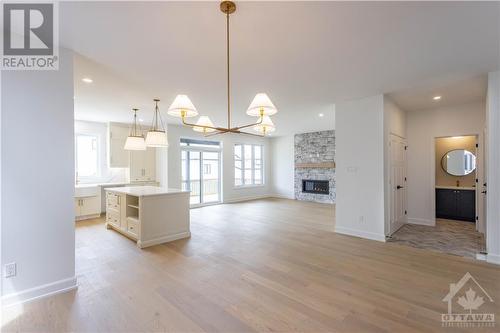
point(399, 187)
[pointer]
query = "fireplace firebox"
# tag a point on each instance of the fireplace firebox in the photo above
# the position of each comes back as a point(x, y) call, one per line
point(316, 186)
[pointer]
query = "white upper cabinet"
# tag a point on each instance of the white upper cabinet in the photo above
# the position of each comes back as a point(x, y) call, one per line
point(143, 165)
point(117, 135)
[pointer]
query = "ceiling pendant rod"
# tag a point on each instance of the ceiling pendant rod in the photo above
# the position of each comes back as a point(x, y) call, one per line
point(228, 74)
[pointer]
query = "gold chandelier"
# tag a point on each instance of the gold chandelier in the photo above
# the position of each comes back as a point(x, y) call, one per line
point(261, 105)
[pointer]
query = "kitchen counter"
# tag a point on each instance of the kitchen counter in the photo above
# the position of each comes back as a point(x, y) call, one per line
point(455, 188)
point(145, 191)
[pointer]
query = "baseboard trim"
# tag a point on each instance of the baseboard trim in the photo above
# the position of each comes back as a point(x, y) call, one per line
point(412, 220)
point(493, 258)
point(42, 291)
point(360, 234)
point(87, 217)
point(242, 199)
point(281, 196)
point(163, 239)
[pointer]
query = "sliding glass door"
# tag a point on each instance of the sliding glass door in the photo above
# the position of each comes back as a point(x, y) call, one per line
point(201, 171)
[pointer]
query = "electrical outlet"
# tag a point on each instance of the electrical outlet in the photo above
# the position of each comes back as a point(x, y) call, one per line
point(10, 270)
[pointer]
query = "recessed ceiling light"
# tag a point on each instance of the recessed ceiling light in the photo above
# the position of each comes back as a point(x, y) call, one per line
point(436, 98)
point(321, 114)
point(141, 120)
point(87, 80)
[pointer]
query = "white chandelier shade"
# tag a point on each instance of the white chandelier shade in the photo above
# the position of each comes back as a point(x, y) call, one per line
point(135, 143)
point(261, 106)
point(203, 125)
point(182, 107)
point(156, 139)
point(264, 125)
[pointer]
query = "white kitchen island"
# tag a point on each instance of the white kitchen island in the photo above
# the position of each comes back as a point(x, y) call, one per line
point(148, 214)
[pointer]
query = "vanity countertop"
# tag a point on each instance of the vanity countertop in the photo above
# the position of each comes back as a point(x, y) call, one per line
point(455, 188)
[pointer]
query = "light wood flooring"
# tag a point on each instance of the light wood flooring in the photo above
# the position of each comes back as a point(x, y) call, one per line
point(260, 266)
point(454, 237)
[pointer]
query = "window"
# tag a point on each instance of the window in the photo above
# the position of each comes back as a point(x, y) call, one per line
point(87, 155)
point(248, 165)
point(200, 170)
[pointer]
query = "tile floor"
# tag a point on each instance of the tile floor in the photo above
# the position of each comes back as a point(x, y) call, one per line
point(448, 236)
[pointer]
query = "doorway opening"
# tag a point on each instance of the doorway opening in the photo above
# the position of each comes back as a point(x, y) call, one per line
point(201, 171)
point(459, 200)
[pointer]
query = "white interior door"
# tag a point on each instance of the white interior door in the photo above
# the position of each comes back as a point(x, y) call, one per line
point(397, 182)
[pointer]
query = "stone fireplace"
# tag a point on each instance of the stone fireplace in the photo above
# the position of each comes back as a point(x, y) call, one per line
point(315, 166)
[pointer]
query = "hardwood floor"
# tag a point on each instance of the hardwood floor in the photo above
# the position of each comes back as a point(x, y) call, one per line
point(266, 265)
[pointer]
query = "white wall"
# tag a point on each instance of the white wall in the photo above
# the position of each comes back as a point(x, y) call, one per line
point(360, 135)
point(423, 126)
point(396, 118)
point(283, 166)
point(38, 180)
point(230, 193)
point(493, 169)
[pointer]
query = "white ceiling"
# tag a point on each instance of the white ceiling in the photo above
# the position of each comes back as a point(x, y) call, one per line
point(452, 92)
point(306, 55)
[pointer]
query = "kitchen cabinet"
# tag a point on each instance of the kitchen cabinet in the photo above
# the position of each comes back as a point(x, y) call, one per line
point(87, 202)
point(117, 135)
point(116, 210)
point(456, 204)
point(143, 165)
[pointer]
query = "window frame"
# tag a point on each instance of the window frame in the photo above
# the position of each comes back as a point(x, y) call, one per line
point(252, 167)
point(99, 170)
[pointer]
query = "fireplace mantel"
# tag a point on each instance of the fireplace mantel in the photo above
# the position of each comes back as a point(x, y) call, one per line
point(323, 165)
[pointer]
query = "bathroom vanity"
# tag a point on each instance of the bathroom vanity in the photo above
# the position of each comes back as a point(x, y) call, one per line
point(456, 203)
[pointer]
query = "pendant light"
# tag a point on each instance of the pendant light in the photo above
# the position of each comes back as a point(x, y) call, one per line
point(157, 136)
point(135, 141)
point(261, 105)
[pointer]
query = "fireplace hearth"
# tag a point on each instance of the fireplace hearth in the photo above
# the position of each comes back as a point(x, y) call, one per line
point(316, 186)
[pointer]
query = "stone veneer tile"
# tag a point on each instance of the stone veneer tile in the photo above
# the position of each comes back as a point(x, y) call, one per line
point(316, 147)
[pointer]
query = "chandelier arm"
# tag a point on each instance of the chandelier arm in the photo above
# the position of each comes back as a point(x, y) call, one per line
point(246, 133)
point(221, 129)
point(249, 125)
point(214, 134)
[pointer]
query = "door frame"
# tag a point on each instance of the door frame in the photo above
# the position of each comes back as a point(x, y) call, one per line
point(479, 175)
point(201, 150)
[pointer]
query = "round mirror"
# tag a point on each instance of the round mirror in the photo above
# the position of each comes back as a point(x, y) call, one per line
point(459, 162)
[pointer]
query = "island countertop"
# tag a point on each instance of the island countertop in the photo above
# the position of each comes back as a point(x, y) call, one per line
point(145, 191)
